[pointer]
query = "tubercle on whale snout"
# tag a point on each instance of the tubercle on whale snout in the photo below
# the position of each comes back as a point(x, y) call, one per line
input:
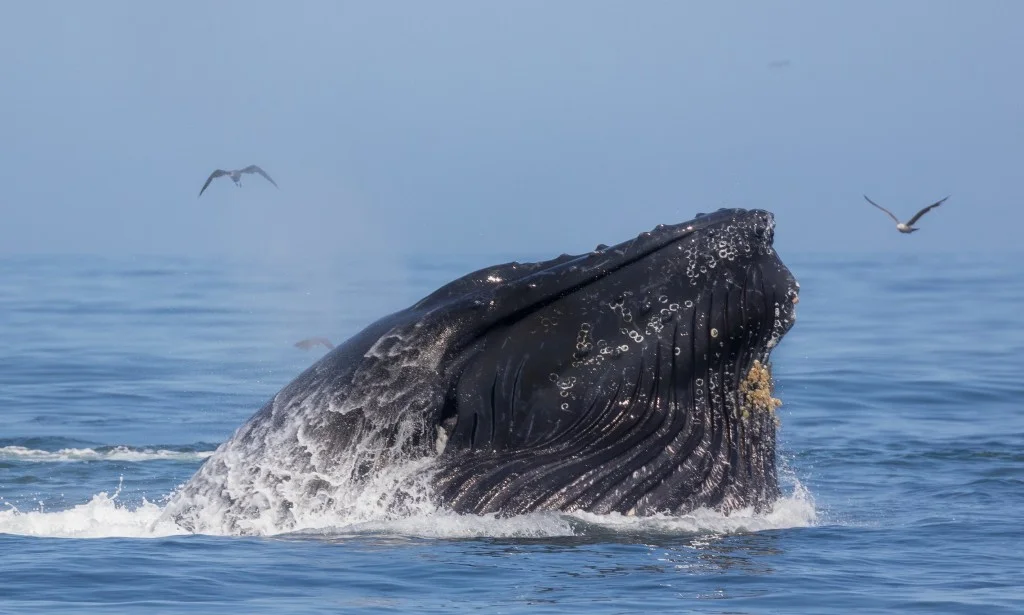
point(726, 233)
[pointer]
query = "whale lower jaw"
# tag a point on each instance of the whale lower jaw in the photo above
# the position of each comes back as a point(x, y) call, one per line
point(718, 453)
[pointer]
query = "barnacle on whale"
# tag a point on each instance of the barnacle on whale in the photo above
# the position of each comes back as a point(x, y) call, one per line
point(756, 390)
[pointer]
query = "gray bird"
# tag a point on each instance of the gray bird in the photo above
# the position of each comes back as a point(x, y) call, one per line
point(236, 176)
point(907, 227)
point(306, 344)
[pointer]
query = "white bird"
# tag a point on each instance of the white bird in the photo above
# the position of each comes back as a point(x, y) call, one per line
point(908, 226)
point(236, 176)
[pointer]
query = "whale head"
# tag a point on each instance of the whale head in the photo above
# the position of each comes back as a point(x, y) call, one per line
point(631, 379)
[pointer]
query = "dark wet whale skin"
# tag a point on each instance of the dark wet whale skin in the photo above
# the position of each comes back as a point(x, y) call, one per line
point(622, 394)
point(604, 382)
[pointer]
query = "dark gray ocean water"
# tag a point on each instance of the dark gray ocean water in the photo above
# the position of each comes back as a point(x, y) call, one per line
point(901, 442)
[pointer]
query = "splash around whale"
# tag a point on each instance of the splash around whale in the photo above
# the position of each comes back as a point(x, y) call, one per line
point(633, 379)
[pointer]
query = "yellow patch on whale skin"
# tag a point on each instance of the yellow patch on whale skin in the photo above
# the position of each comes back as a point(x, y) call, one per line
point(756, 391)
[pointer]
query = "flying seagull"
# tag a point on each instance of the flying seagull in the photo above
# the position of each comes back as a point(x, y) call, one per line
point(306, 344)
point(907, 227)
point(236, 176)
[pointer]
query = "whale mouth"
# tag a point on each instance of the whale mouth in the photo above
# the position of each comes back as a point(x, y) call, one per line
point(662, 401)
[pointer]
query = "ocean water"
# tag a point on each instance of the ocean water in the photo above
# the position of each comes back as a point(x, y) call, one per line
point(901, 447)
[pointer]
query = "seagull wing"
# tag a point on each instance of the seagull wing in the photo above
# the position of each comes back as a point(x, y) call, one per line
point(882, 208)
point(212, 177)
point(918, 215)
point(255, 169)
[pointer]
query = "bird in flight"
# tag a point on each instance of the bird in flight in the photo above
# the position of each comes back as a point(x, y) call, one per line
point(236, 176)
point(908, 226)
point(306, 344)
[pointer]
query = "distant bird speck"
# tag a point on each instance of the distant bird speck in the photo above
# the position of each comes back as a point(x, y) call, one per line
point(236, 176)
point(306, 344)
point(907, 227)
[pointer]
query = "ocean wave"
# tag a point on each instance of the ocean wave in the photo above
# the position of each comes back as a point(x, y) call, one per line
point(795, 510)
point(112, 453)
point(103, 516)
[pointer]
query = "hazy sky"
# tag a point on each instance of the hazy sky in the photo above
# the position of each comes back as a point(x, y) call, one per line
point(475, 126)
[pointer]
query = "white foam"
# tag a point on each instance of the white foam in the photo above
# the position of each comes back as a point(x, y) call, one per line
point(118, 453)
point(449, 525)
point(103, 516)
point(100, 517)
point(796, 510)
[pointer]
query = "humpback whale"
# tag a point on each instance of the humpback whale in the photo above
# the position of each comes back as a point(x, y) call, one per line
point(633, 379)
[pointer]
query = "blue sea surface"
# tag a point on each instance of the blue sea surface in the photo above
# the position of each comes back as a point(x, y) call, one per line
point(901, 445)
